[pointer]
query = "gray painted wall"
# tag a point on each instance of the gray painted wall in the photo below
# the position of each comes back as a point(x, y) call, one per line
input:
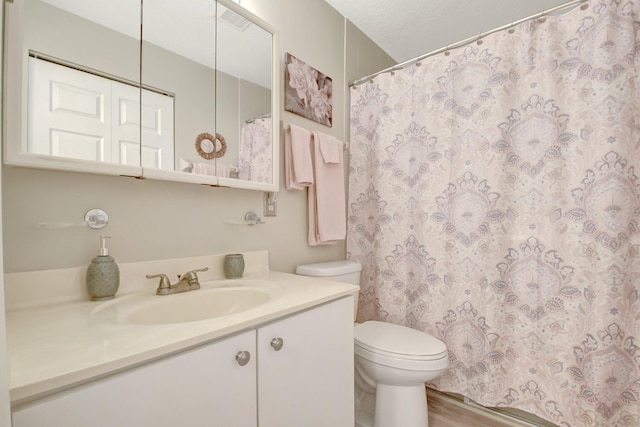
point(5, 418)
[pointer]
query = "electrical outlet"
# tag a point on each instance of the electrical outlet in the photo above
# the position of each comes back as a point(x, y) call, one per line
point(270, 204)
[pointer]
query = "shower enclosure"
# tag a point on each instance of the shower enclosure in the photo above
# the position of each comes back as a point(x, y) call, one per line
point(494, 203)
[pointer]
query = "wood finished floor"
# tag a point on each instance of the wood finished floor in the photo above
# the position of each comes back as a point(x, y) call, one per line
point(446, 411)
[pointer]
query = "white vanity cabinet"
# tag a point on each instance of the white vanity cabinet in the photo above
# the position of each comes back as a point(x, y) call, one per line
point(203, 386)
point(308, 381)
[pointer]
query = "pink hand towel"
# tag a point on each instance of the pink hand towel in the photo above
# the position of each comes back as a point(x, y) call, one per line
point(222, 170)
point(204, 169)
point(330, 148)
point(218, 169)
point(298, 162)
point(327, 205)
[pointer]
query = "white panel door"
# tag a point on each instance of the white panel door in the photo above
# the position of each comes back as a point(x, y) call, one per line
point(201, 387)
point(309, 380)
point(69, 112)
point(125, 103)
point(157, 131)
point(79, 115)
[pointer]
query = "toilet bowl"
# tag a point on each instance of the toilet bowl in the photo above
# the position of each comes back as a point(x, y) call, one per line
point(392, 362)
point(398, 361)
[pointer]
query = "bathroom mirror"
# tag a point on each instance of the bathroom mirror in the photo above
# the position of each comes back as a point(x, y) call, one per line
point(73, 85)
point(179, 91)
point(246, 109)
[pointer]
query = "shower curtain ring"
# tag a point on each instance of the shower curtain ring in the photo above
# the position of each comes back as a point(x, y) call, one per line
point(542, 17)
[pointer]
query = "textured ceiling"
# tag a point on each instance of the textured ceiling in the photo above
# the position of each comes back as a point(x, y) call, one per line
point(409, 28)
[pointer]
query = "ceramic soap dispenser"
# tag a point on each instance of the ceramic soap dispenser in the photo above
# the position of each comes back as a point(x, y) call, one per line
point(103, 274)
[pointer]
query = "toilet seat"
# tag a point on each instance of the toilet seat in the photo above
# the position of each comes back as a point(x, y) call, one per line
point(398, 346)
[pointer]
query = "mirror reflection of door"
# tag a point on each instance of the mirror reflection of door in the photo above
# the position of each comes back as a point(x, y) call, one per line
point(83, 80)
point(81, 115)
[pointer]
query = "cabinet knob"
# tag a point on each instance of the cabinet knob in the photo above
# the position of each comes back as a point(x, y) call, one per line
point(243, 357)
point(277, 343)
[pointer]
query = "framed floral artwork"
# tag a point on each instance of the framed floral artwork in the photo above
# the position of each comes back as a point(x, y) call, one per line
point(308, 92)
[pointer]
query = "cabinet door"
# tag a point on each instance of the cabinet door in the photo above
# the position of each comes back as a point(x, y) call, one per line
point(204, 386)
point(309, 380)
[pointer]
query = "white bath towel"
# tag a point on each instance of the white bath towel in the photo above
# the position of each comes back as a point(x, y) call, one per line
point(298, 162)
point(327, 205)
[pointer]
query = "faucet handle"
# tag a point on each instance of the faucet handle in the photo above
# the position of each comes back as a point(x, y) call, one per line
point(165, 283)
point(192, 277)
point(197, 270)
point(192, 274)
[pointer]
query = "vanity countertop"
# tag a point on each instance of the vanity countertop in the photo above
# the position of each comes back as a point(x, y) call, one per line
point(55, 346)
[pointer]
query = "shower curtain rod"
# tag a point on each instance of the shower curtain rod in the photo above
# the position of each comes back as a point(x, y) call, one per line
point(464, 42)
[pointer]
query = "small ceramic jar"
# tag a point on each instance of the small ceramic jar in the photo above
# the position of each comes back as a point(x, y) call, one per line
point(233, 266)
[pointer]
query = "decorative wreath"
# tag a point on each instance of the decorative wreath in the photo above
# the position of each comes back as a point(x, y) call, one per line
point(207, 146)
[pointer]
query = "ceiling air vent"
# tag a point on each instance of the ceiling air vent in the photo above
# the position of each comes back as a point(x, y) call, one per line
point(233, 18)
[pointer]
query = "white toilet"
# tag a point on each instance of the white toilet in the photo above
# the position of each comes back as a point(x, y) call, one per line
point(392, 362)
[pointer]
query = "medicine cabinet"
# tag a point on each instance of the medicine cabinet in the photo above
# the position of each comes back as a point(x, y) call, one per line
point(160, 89)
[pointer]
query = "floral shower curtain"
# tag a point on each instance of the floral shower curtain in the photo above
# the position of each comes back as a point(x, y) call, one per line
point(254, 152)
point(495, 204)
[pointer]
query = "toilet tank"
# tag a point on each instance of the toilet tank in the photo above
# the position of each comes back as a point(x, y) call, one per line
point(341, 271)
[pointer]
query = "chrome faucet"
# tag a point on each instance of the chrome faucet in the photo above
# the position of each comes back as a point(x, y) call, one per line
point(186, 282)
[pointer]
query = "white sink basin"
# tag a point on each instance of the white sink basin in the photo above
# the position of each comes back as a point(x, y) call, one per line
point(213, 300)
point(197, 305)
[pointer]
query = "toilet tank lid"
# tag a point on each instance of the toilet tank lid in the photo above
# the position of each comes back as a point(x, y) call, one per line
point(331, 268)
